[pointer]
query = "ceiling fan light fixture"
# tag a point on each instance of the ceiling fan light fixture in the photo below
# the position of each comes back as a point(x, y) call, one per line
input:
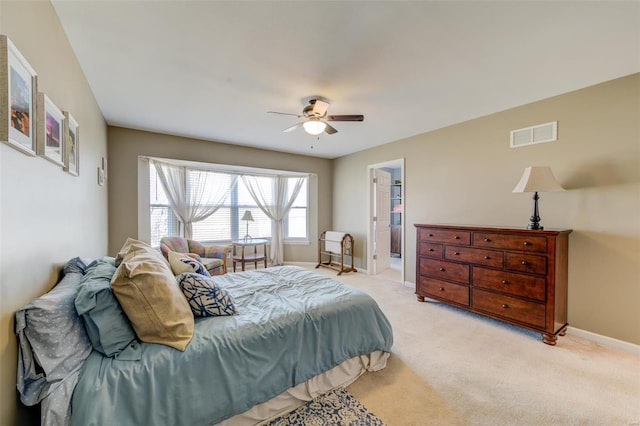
point(314, 127)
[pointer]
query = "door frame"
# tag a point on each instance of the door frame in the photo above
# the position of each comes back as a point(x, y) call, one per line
point(398, 163)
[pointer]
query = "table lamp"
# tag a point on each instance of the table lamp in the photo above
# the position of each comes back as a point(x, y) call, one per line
point(248, 218)
point(537, 179)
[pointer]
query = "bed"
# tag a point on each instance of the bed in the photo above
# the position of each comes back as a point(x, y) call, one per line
point(294, 335)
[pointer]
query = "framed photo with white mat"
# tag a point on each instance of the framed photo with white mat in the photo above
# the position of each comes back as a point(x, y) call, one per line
point(71, 145)
point(18, 92)
point(50, 127)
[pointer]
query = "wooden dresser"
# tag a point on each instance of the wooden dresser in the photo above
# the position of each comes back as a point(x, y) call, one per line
point(517, 276)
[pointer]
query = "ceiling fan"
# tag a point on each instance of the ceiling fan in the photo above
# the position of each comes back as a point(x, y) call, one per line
point(316, 118)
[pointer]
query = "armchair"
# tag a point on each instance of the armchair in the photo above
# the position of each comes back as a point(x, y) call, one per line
point(214, 258)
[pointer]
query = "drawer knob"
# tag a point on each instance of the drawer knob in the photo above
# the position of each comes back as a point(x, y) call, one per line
point(505, 306)
point(431, 235)
point(430, 249)
point(456, 237)
point(505, 282)
point(442, 269)
point(487, 257)
point(441, 288)
point(527, 243)
point(487, 240)
point(524, 262)
point(457, 253)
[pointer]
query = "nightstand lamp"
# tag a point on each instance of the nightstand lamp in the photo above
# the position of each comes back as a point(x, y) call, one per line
point(248, 217)
point(537, 179)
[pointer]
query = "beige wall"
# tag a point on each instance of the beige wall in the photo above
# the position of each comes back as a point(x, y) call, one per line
point(126, 145)
point(464, 174)
point(47, 216)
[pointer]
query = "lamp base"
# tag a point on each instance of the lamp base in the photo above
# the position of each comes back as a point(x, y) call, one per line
point(247, 237)
point(535, 217)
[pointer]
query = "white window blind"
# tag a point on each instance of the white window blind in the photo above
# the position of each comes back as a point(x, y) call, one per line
point(163, 221)
point(226, 224)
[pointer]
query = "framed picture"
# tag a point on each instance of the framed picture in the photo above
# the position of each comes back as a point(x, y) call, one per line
point(71, 150)
point(18, 92)
point(50, 127)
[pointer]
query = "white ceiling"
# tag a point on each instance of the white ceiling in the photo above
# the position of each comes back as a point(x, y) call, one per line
point(212, 69)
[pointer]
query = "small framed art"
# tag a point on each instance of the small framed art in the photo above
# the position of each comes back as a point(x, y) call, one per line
point(50, 128)
point(18, 92)
point(71, 151)
point(100, 176)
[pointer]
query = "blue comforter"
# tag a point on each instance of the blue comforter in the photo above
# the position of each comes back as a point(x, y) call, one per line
point(292, 325)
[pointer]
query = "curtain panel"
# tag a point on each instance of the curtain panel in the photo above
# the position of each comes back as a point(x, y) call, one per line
point(274, 197)
point(193, 194)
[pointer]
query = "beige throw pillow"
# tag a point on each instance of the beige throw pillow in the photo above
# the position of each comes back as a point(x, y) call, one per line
point(186, 262)
point(150, 296)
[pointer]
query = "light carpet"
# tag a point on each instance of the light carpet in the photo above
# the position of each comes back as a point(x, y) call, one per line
point(335, 408)
point(452, 367)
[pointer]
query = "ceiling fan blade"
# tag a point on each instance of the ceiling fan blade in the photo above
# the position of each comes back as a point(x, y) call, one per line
point(345, 118)
point(319, 108)
point(330, 129)
point(283, 113)
point(292, 128)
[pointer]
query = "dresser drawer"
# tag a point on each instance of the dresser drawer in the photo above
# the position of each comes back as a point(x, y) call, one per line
point(526, 263)
point(528, 286)
point(446, 236)
point(431, 250)
point(443, 290)
point(529, 243)
point(443, 270)
point(509, 307)
point(474, 255)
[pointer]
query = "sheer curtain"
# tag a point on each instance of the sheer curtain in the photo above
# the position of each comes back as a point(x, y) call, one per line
point(284, 191)
point(193, 194)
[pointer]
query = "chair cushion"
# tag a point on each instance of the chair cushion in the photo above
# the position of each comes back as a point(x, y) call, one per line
point(212, 264)
point(148, 293)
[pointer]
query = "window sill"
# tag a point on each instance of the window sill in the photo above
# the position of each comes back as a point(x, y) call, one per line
point(297, 242)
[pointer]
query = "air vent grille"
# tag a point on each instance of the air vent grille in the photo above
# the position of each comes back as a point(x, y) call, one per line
point(547, 132)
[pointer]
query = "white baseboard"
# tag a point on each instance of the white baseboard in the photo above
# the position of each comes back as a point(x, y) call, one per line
point(604, 340)
point(410, 285)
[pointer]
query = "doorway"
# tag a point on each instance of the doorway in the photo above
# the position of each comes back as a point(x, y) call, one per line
point(386, 220)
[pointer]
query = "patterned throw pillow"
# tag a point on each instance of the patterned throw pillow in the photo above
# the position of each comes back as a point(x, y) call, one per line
point(182, 262)
point(206, 298)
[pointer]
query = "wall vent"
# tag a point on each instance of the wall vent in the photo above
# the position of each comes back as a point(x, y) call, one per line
point(547, 132)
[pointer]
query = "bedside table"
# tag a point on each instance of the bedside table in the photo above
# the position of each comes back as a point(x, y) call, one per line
point(241, 255)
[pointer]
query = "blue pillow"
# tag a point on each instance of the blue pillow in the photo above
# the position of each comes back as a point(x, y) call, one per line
point(107, 326)
point(77, 265)
point(52, 341)
point(206, 298)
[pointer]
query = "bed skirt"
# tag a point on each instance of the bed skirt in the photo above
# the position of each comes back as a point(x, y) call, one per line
point(340, 376)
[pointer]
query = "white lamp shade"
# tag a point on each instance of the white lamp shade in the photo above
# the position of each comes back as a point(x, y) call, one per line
point(538, 179)
point(247, 216)
point(314, 127)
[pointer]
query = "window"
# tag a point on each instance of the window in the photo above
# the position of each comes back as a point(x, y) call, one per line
point(226, 224)
point(164, 222)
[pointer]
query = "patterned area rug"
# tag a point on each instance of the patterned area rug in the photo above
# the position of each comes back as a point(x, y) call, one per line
point(335, 408)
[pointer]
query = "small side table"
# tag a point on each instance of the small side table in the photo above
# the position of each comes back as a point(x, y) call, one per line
point(239, 254)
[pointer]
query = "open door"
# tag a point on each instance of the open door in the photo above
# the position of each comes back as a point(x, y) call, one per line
point(382, 220)
point(380, 182)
